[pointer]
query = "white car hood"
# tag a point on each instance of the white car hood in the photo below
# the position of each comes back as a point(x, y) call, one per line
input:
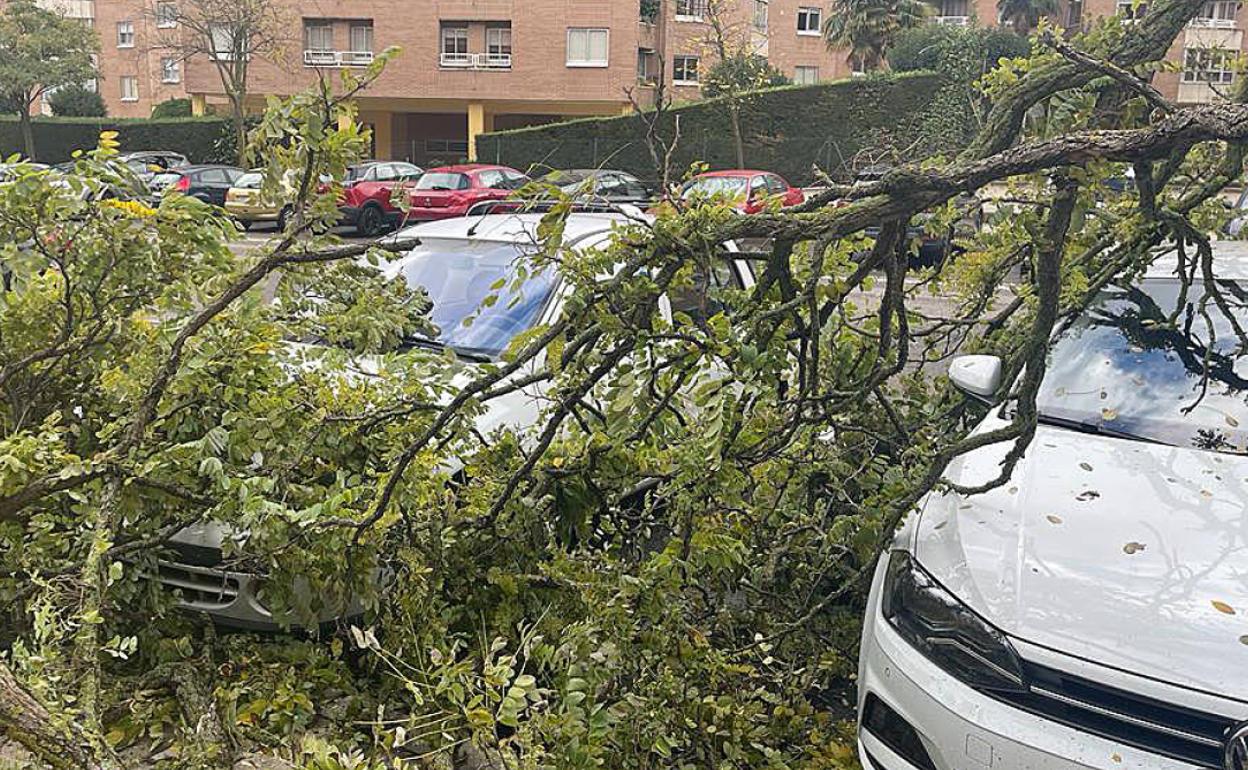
point(1129, 554)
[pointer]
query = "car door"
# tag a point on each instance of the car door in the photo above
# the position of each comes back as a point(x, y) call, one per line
point(210, 186)
point(789, 196)
point(757, 194)
point(491, 184)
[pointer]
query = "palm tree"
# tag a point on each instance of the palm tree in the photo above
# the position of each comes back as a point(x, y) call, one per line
point(1024, 15)
point(867, 28)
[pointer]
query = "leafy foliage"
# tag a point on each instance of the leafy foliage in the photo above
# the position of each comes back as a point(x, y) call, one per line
point(76, 101)
point(40, 50)
point(665, 569)
point(962, 53)
point(868, 28)
point(172, 108)
point(741, 73)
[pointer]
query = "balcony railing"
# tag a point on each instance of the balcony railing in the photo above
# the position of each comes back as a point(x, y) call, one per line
point(337, 58)
point(954, 21)
point(475, 61)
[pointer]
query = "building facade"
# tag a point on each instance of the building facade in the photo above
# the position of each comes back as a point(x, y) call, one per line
point(469, 66)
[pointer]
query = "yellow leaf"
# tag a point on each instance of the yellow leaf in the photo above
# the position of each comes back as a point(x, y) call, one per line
point(1223, 607)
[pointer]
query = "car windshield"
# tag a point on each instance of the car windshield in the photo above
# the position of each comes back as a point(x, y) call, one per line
point(731, 186)
point(1124, 368)
point(460, 275)
point(357, 172)
point(442, 181)
point(250, 180)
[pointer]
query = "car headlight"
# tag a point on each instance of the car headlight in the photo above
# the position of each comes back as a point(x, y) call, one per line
point(945, 630)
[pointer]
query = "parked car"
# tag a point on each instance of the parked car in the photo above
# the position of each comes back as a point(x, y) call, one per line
point(149, 163)
point(750, 189)
point(1090, 612)
point(449, 191)
point(929, 248)
point(208, 183)
point(606, 185)
point(367, 194)
point(1235, 227)
point(9, 172)
point(459, 262)
point(243, 201)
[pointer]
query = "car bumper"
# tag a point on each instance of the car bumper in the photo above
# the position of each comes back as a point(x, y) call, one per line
point(422, 214)
point(348, 215)
point(958, 727)
point(251, 213)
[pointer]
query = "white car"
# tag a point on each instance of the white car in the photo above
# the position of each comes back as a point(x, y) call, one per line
point(458, 262)
point(1092, 612)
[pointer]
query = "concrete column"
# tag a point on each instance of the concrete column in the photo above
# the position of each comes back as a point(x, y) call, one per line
point(480, 120)
point(345, 120)
point(383, 134)
point(199, 105)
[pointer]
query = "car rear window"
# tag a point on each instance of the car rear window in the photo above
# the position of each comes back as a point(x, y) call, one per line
point(440, 180)
point(163, 180)
point(250, 180)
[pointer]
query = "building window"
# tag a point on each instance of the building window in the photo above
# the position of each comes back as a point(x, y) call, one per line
point(587, 47)
point(498, 44)
point(361, 37)
point(166, 15)
point(685, 69)
point(455, 44)
point(645, 66)
point(809, 21)
point(125, 34)
point(129, 88)
point(1219, 13)
point(805, 75)
point(857, 66)
point(225, 45)
point(1214, 66)
point(955, 12)
point(692, 10)
point(1131, 9)
point(170, 71)
point(760, 15)
point(318, 36)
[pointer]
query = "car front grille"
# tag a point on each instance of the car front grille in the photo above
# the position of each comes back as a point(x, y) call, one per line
point(200, 588)
point(1173, 731)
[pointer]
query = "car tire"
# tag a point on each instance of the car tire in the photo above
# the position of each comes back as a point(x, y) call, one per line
point(245, 224)
point(371, 221)
point(283, 218)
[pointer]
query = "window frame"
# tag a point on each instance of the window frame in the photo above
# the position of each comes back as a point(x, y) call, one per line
point(321, 27)
point(1222, 75)
point(494, 35)
point(759, 22)
point(132, 79)
point(357, 26)
point(804, 14)
point(694, 10)
point(170, 65)
point(588, 34)
point(166, 20)
point(1214, 21)
point(128, 34)
point(807, 68)
point(684, 81)
point(458, 34)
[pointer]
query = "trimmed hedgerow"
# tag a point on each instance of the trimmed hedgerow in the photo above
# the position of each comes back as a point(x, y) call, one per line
point(199, 139)
point(789, 130)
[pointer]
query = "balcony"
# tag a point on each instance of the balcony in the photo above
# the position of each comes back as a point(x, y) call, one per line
point(475, 61)
point(337, 58)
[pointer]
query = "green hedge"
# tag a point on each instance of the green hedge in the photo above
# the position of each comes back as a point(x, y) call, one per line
point(786, 129)
point(199, 139)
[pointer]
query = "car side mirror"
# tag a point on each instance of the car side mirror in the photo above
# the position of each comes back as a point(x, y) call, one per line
point(979, 376)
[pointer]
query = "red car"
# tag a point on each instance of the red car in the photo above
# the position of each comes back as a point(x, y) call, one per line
point(450, 191)
point(366, 192)
point(751, 188)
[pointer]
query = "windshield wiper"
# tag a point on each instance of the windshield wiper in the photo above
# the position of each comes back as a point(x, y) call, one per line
point(1093, 428)
point(469, 354)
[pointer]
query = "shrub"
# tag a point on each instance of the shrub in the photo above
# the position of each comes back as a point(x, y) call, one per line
point(200, 139)
point(741, 73)
point(76, 101)
point(172, 108)
point(963, 53)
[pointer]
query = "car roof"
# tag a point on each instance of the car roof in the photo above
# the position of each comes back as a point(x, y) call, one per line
point(200, 167)
point(462, 168)
point(514, 227)
point(737, 172)
point(1230, 262)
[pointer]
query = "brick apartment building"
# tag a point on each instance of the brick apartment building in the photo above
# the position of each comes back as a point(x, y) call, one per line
point(470, 66)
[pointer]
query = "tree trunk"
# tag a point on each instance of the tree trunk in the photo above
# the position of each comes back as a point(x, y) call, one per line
point(239, 119)
point(738, 143)
point(28, 133)
point(25, 720)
